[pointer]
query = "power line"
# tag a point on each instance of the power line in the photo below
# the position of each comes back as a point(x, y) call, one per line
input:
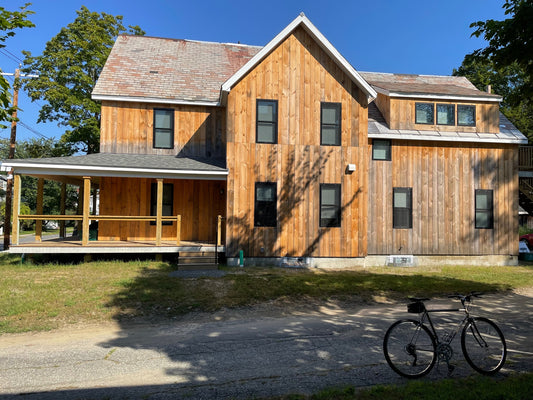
point(14, 55)
point(12, 58)
point(32, 130)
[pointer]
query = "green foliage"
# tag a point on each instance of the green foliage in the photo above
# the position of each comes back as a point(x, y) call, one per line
point(510, 42)
point(504, 81)
point(40, 148)
point(68, 69)
point(9, 21)
point(24, 210)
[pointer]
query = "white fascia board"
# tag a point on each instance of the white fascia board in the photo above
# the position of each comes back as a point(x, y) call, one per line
point(80, 170)
point(324, 44)
point(155, 100)
point(429, 96)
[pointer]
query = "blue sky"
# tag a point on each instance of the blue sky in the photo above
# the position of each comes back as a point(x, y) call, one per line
point(403, 36)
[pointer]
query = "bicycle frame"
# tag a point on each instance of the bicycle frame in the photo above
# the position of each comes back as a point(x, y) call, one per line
point(449, 337)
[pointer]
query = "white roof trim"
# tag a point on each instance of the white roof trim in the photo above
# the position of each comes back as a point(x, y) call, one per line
point(82, 170)
point(438, 96)
point(322, 41)
point(155, 100)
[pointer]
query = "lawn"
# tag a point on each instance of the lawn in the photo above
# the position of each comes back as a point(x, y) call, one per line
point(37, 297)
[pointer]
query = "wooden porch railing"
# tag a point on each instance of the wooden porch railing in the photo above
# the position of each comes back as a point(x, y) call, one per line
point(525, 158)
point(85, 232)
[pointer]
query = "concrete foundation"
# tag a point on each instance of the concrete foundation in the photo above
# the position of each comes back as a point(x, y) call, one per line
point(374, 261)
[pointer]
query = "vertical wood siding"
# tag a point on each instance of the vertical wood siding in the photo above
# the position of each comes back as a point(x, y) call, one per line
point(444, 178)
point(400, 114)
point(300, 76)
point(199, 202)
point(128, 128)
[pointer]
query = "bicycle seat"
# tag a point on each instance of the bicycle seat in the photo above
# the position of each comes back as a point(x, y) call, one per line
point(419, 299)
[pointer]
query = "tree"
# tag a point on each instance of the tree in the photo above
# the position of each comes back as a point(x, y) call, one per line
point(39, 148)
point(510, 42)
point(68, 69)
point(9, 21)
point(504, 81)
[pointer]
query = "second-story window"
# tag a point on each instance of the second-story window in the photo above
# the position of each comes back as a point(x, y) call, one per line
point(330, 124)
point(466, 115)
point(266, 121)
point(446, 114)
point(163, 129)
point(425, 113)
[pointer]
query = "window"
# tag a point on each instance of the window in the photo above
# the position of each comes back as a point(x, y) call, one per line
point(466, 115)
point(381, 149)
point(267, 121)
point(424, 113)
point(446, 114)
point(330, 205)
point(330, 124)
point(265, 204)
point(163, 129)
point(484, 209)
point(402, 212)
point(168, 201)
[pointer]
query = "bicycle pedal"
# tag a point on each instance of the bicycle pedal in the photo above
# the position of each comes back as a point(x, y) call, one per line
point(451, 368)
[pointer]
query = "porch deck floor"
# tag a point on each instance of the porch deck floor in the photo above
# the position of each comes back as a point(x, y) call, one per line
point(74, 246)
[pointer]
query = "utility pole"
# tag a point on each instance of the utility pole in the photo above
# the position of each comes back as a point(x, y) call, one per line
point(12, 143)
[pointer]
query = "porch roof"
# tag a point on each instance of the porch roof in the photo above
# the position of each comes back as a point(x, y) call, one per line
point(120, 165)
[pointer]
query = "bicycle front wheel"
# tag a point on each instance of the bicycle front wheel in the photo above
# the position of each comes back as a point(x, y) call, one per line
point(483, 345)
point(409, 348)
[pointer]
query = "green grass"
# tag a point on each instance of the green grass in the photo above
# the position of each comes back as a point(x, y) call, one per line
point(49, 296)
point(513, 387)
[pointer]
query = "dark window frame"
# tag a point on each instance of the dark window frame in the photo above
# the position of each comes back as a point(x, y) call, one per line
point(397, 219)
point(466, 106)
point(330, 222)
point(488, 211)
point(266, 212)
point(170, 130)
point(437, 113)
point(433, 113)
point(337, 126)
point(273, 123)
point(153, 202)
point(388, 151)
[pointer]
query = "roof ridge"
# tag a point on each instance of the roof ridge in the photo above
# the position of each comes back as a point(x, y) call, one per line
point(191, 40)
point(421, 75)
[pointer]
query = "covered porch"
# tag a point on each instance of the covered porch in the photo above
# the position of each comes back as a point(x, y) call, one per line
point(131, 223)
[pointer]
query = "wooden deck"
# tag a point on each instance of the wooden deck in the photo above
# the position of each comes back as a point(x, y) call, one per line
point(74, 246)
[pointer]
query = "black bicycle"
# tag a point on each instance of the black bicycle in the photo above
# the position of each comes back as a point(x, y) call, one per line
point(412, 347)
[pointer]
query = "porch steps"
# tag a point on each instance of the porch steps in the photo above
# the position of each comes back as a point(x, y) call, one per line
point(196, 261)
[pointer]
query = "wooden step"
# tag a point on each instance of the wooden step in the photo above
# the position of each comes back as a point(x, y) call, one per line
point(190, 261)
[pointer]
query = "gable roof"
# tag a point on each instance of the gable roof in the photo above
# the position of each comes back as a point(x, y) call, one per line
point(427, 86)
point(302, 21)
point(149, 69)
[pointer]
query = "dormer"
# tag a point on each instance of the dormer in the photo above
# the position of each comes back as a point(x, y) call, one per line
point(434, 104)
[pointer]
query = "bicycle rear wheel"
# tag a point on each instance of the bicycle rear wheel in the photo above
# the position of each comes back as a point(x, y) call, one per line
point(483, 345)
point(409, 348)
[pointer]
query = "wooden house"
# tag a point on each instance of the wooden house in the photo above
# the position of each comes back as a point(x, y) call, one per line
point(285, 153)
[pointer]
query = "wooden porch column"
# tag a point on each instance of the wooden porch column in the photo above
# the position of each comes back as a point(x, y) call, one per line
point(16, 210)
point(178, 228)
point(39, 210)
point(86, 210)
point(62, 210)
point(219, 230)
point(159, 214)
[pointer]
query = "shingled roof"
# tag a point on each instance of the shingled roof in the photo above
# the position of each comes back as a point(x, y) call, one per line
point(405, 85)
point(170, 70)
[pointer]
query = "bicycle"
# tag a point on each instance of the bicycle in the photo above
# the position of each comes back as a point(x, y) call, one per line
point(411, 347)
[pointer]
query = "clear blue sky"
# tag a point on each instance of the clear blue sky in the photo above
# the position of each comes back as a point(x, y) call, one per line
point(403, 36)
